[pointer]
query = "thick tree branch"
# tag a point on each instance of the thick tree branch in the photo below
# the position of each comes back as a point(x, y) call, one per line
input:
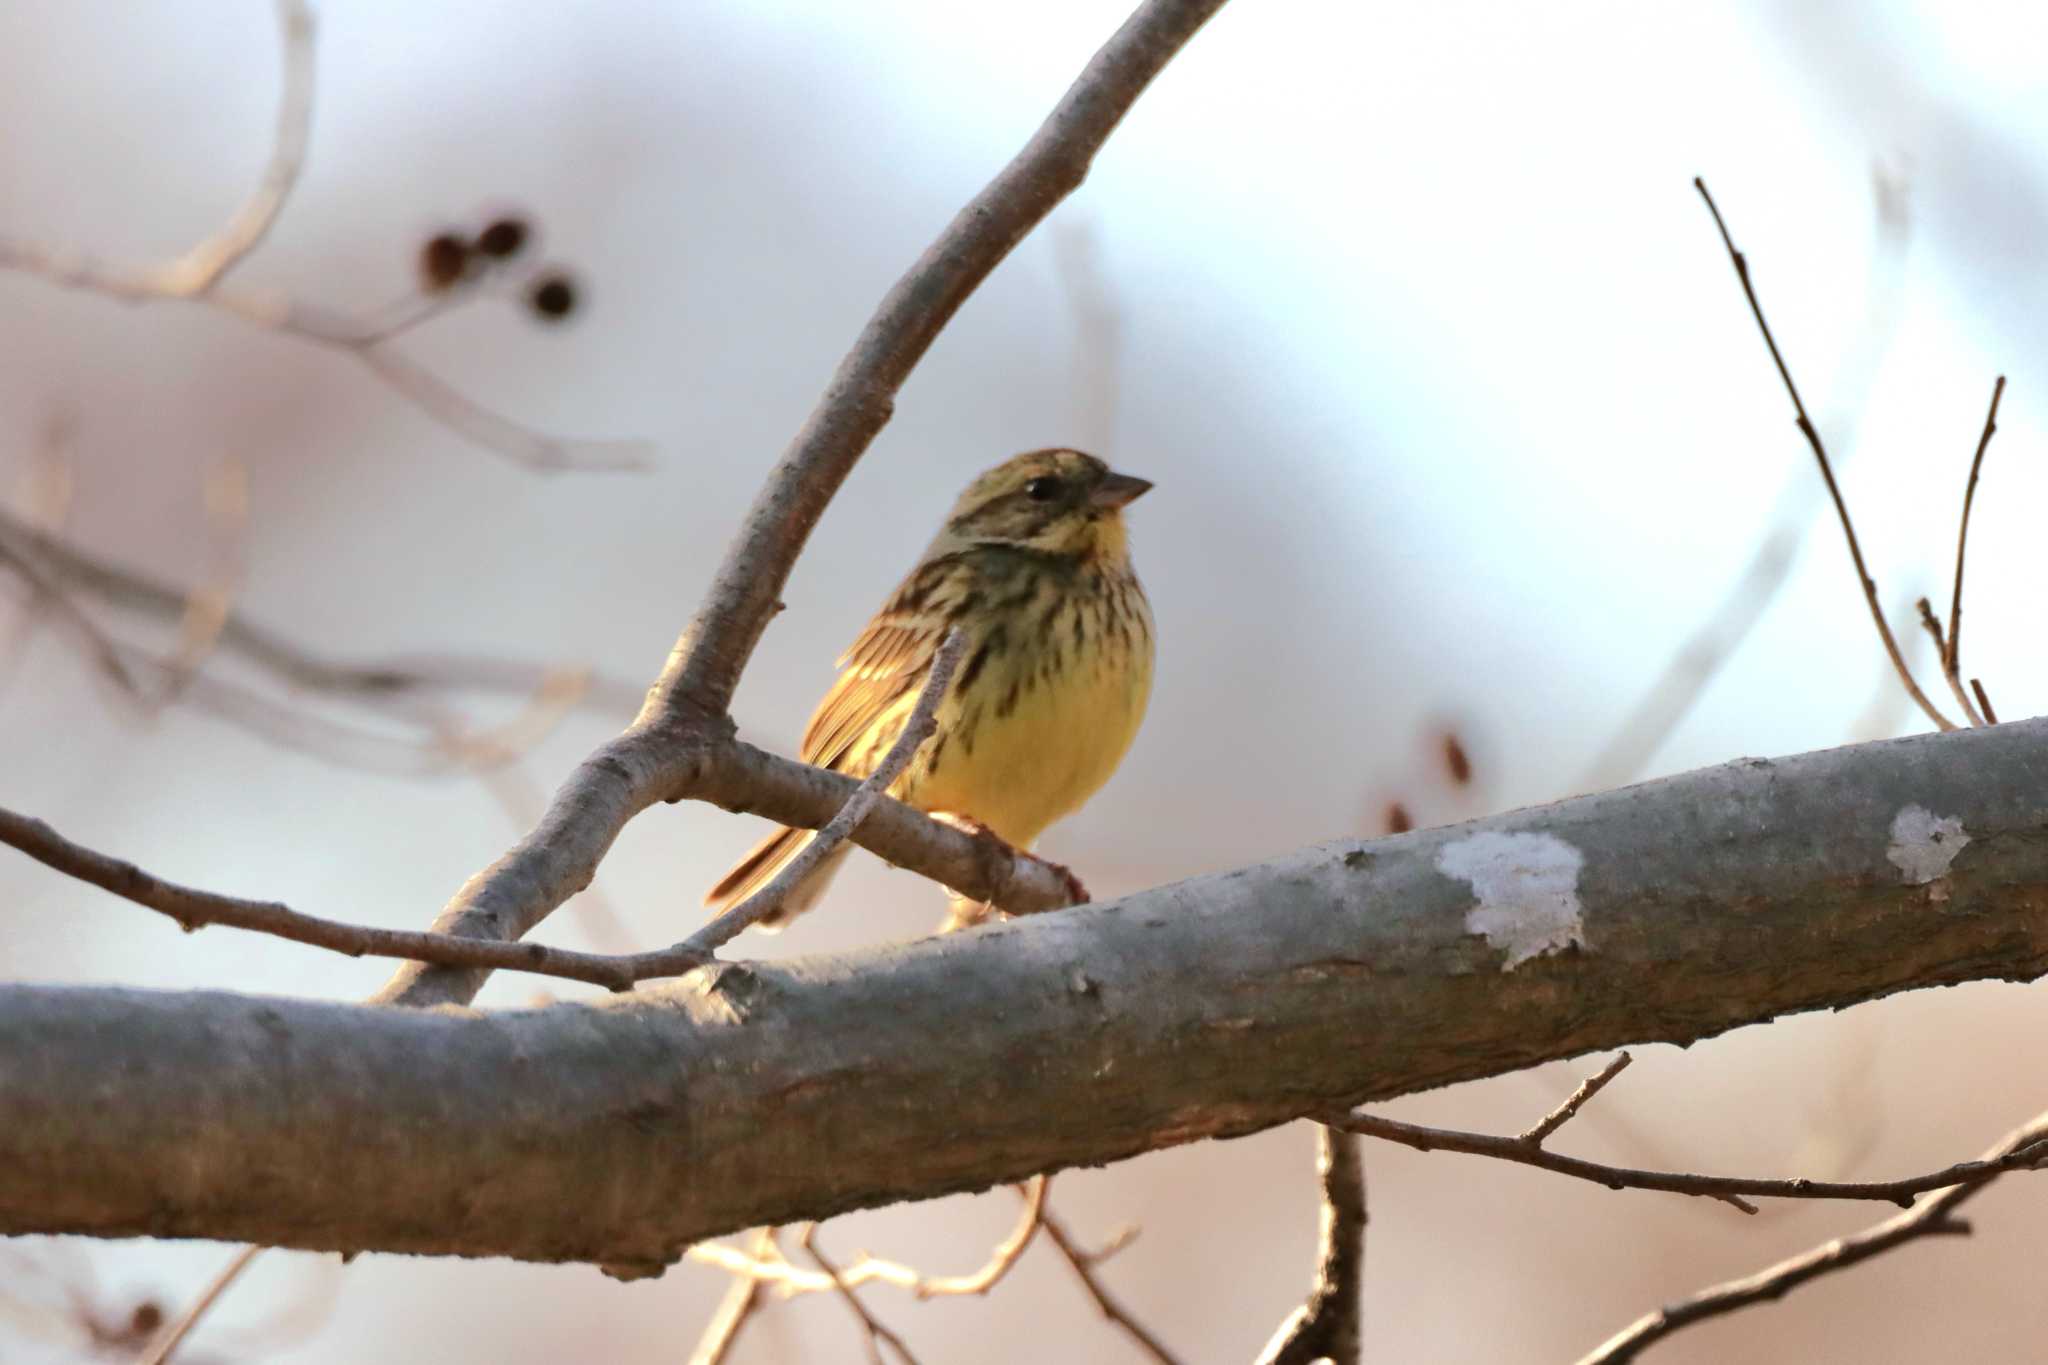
point(705, 669)
point(672, 750)
point(624, 1131)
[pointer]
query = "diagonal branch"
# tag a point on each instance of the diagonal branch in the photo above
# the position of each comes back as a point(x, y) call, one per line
point(916, 730)
point(201, 268)
point(1931, 623)
point(62, 564)
point(1827, 473)
point(740, 1303)
point(874, 1330)
point(1929, 1218)
point(1083, 1263)
point(681, 744)
point(705, 669)
point(194, 909)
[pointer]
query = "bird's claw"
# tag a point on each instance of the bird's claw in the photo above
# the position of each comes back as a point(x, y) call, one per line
point(1077, 891)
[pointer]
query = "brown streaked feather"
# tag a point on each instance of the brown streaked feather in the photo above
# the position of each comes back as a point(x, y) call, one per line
point(879, 672)
point(759, 867)
point(882, 670)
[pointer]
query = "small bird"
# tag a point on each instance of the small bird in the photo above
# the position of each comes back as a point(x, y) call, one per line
point(1033, 566)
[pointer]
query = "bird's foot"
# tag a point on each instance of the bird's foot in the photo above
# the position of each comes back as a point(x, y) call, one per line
point(1077, 891)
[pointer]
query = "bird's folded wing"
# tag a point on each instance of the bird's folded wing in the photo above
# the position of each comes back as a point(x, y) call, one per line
point(880, 677)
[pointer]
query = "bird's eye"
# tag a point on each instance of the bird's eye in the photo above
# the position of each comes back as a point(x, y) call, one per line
point(1044, 488)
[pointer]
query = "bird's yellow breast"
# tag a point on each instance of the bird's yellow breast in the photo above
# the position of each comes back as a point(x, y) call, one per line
point(1046, 703)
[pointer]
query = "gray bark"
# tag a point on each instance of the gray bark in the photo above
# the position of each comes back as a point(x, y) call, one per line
point(757, 1093)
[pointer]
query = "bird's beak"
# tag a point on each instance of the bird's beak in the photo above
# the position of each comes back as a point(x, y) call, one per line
point(1116, 490)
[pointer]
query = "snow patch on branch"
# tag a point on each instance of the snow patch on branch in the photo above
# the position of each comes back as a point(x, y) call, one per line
point(1528, 891)
point(1924, 844)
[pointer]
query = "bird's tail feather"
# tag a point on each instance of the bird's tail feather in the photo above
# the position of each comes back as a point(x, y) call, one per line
point(759, 867)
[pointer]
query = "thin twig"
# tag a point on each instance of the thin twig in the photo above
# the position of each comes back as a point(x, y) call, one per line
point(167, 1340)
point(1827, 473)
point(201, 268)
point(1983, 701)
point(130, 589)
point(98, 646)
point(1706, 650)
point(861, 397)
point(1727, 1189)
point(1078, 1260)
point(1931, 623)
point(876, 1330)
point(1006, 1253)
point(769, 1267)
point(1563, 1114)
point(680, 747)
point(1952, 657)
point(1329, 1325)
point(765, 902)
point(194, 909)
point(197, 276)
point(1931, 1217)
point(742, 1299)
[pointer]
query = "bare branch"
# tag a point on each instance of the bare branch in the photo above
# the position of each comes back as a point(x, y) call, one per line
point(67, 565)
point(1083, 1263)
point(1792, 888)
point(1709, 646)
point(705, 668)
point(680, 746)
point(201, 268)
point(104, 653)
point(543, 451)
point(197, 276)
point(1983, 701)
point(1329, 1326)
point(1557, 1118)
point(195, 909)
point(876, 1331)
point(916, 730)
point(741, 1301)
point(1827, 473)
point(1932, 625)
point(173, 1334)
point(1728, 1189)
point(1931, 1217)
point(769, 1267)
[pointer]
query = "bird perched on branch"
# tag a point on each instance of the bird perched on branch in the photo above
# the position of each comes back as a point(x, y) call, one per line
point(1033, 567)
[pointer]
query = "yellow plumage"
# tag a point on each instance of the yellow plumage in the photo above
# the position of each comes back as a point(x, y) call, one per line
point(1033, 566)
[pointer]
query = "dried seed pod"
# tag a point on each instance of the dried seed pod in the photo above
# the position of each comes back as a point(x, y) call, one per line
point(443, 261)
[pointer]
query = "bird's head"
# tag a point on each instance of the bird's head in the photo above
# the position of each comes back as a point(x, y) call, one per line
point(1057, 502)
